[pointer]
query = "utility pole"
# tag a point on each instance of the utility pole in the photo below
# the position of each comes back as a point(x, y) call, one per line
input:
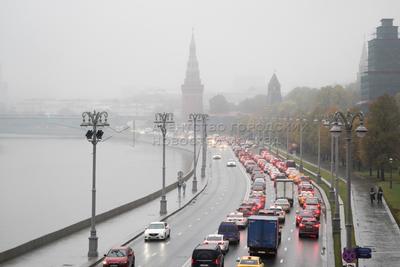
point(194, 117)
point(161, 121)
point(95, 120)
point(204, 118)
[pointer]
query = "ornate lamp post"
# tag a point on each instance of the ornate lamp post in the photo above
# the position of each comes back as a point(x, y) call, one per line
point(194, 118)
point(335, 132)
point(161, 121)
point(319, 150)
point(347, 121)
point(288, 124)
point(327, 124)
point(95, 120)
point(204, 118)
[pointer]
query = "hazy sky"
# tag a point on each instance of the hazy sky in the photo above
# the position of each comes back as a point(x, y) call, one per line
point(99, 48)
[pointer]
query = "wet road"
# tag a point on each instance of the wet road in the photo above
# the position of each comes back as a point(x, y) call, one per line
point(227, 188)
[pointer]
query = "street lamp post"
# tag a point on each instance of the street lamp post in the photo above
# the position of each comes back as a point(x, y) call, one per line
point(319, 150)
point(347, 121)
point(327, 124)
point(335, 132)
point(95, 120)
point(204, 118)
point(391, 177)
point(301, 128)
point(161, 120)
point(194, 117)
point(287, 137)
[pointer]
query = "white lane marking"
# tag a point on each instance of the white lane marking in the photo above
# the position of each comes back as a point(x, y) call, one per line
point(187, 262)
point(281, 261)
point(285, 249)
point(189, 225)
point(291, 230)
point(288, 238)
point(167, 243)
point(198, 219)
point(180, 233)
point(154, 254)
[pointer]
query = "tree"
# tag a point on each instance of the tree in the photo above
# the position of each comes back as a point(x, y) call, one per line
point(219, 104)
point(382, 141)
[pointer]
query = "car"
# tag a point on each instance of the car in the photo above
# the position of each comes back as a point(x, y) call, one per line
point(157, 231)
point(219, 240)
point(312, 201)
point(231, 163)
point(305, 186)
point(303, 214)
point(237, 218)
point(303, 196)
point(247, 209)
point(217, 156)
point(284, 203)
point(315, 210)
point(119, 256)
point(207, 255)
point(246, 261)
point(281, 213)
point(309, 227)
point(230, 231)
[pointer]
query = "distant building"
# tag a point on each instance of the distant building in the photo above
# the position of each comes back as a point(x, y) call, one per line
point(383, 72)
point(274, 91)
point(362, 66)
point(192, 88)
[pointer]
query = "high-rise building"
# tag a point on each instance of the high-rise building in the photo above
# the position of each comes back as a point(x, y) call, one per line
point(383, 72)
point(192, 88)
point(362, 66)
point(274, 91)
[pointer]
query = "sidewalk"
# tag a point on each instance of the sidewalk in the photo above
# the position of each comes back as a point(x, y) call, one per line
point(72, 250)
point(374, 225)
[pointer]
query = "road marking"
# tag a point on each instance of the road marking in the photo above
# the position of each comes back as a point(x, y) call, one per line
point(291, 230)
point(154, 254)
point(189, 225)
point(281, 261)
point(198, 219)
point(288, 238)
point(285, 249)
point(205, 213)
point(167, 243)
point(180, 233)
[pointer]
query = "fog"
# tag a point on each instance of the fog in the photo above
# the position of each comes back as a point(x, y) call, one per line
point(114, 49)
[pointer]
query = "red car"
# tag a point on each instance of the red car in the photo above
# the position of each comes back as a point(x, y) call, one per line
point(303, 214)
point(309, 226)
point(315, 210)
point(119, 257)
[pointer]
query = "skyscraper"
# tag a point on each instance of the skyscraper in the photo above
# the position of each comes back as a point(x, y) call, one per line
point(383, 72)
point(274, 91)
point(192, 88)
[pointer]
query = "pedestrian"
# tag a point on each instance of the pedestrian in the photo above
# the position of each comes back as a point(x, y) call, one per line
point(184, 187)
point(380, 195)
point(372, 195)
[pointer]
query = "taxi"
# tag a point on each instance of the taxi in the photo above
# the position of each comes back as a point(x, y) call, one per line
point(303, 197)
point(249, 261)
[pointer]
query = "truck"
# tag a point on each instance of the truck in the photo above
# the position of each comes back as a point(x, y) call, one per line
point(284, 188)
point(263, 235)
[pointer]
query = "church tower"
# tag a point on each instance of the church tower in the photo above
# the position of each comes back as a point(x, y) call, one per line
point(192, 88)
point(274, 91)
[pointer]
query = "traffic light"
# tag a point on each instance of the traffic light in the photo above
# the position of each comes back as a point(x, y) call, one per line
point(99, 134)
point(89, 134)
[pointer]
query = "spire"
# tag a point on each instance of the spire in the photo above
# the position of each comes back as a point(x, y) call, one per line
point(363, 65)
point(274, 90)
point(192, 71)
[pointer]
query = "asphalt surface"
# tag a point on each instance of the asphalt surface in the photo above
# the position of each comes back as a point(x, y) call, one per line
point(225, 191)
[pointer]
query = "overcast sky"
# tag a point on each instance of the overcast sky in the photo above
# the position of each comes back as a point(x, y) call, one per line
point(99, 48)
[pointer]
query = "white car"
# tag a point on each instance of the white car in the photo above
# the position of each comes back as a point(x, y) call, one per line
point(157, 231)
point(237, 218)
point(231, 163)
point(281, 213)
point(284, 203)
point(217, 157)
point(217, 239)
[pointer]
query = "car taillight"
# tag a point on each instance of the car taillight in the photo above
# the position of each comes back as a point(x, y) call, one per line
point(104, 262)
point(220, 243)
point(193, 261)
point(317, 211)
point(216, 261)
point(316, 225)
point(301, 225)
point(206, 242)
point(298, 218)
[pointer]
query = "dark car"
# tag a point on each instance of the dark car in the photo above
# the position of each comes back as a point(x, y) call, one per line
point(309, 227)
point(119, 257)
point(230, 231)
point(315, 210)
point(207, 255)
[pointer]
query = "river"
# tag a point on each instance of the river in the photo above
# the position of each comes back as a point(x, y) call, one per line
point(45, 181)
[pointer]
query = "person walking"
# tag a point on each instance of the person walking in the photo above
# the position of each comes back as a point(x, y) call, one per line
point(380, 195)
point(372, 195)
